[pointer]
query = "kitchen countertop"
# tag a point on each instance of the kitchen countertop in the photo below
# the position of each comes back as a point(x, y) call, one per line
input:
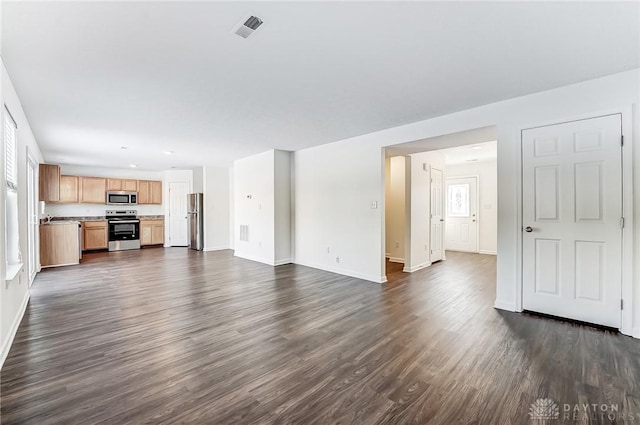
point(62, 220)
point(54, 222)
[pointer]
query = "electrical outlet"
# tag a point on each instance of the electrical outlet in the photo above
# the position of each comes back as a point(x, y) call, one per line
point(337, 259)
point(374, 205)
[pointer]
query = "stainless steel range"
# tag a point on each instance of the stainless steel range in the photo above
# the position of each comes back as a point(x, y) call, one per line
point(124, 229)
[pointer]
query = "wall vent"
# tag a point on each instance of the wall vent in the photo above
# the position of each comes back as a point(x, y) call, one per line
point(247, 28)
point(244, 233)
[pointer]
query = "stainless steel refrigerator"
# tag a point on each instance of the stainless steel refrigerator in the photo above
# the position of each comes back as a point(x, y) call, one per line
point(196, 221)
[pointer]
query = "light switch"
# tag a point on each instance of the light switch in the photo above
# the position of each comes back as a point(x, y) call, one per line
point(374, 205)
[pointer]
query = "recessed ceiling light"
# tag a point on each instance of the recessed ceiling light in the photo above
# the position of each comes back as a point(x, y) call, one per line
point(173, 167)
point(476, 147)
point(133, 165)
point(169, 152)
point(123, 147)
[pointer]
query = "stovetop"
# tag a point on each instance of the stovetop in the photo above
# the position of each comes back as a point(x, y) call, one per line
point(121, 214)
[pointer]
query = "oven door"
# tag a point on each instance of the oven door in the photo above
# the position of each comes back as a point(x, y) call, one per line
point(124, 230)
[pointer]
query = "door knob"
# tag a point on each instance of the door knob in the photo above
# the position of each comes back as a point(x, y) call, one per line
point(474, 220)
point(528, 229)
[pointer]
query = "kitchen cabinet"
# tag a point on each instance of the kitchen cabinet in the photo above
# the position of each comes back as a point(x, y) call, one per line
point(49, 182)
point(149, 192)
point(59, 244)
point(151, 232)
point(93, 190)
point(122, 184)
point(69, 189)
point(94, 235)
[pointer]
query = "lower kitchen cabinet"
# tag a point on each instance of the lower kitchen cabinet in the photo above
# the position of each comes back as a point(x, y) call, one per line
point(94, 235)
point(59, 244)
point(151, 232)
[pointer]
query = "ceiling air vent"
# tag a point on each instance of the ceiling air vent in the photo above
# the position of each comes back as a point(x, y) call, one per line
point(247, 28)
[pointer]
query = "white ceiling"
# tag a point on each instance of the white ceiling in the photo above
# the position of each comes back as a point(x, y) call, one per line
point(159, 76)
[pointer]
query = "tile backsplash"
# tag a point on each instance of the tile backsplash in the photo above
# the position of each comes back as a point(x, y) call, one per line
point(91, 210)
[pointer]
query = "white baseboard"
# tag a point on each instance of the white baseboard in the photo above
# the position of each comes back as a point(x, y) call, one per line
point(282, 262)
point(6, 344)
point(505, 305)
point(487, 252)
point(635, 332)
point(216, 248)
point(416, 268)
point(344, 272)
point(253, 258)
point(396, 260)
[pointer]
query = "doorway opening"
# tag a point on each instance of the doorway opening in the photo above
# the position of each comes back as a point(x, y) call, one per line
point(440, 197)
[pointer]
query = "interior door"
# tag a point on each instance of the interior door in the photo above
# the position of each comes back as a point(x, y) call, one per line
point(178, 224)
point(437, 215)
point(571, 211)
point(461, 223)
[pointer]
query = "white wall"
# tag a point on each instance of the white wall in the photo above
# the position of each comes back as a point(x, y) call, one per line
point(335, 183)
point(217, 212)
point(487, 172)
point(262, 185)
point(15, 294)
point(254, 206)
point(283, 206)
point(198, 180)
point(335, 227)
point(395, 221)
point(93, 210)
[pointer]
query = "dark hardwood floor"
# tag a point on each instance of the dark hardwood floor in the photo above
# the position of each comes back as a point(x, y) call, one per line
point(171, 336)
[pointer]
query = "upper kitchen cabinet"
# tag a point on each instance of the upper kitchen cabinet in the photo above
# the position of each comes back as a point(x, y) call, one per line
point(149, 192)
point(49, 182)
point(69, 189)
point(122, 184)
point(93, 190)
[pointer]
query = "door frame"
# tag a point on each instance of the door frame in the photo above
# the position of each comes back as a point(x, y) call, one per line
point(32, 197)
point(446, 203)
point(443, 184)
point(626, 118)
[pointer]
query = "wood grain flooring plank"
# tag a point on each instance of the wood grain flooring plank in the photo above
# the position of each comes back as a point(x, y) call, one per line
point(173, 336)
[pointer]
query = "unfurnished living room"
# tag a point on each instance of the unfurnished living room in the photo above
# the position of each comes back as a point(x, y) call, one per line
point(320, 212)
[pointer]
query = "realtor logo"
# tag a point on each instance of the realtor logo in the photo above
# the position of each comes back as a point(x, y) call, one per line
point(544, 408)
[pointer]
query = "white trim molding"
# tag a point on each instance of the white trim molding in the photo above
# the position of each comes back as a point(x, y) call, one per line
point(505, 305)
point(396, 260)
point(216, 248)
point(415, 268)
point(6, 344)
point(487, 252)
point(350, 273)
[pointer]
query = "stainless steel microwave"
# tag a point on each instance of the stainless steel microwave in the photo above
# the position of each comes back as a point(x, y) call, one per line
point(121, 197)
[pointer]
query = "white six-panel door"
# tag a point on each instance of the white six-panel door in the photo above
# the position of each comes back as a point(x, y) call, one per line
point(571, 211)
point(437, 215)
point(461, 224)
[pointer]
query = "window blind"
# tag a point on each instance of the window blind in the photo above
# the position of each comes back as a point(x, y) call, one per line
point(11, 165)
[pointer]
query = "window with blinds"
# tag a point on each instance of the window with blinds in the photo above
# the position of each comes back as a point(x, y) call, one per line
point(11, 163)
